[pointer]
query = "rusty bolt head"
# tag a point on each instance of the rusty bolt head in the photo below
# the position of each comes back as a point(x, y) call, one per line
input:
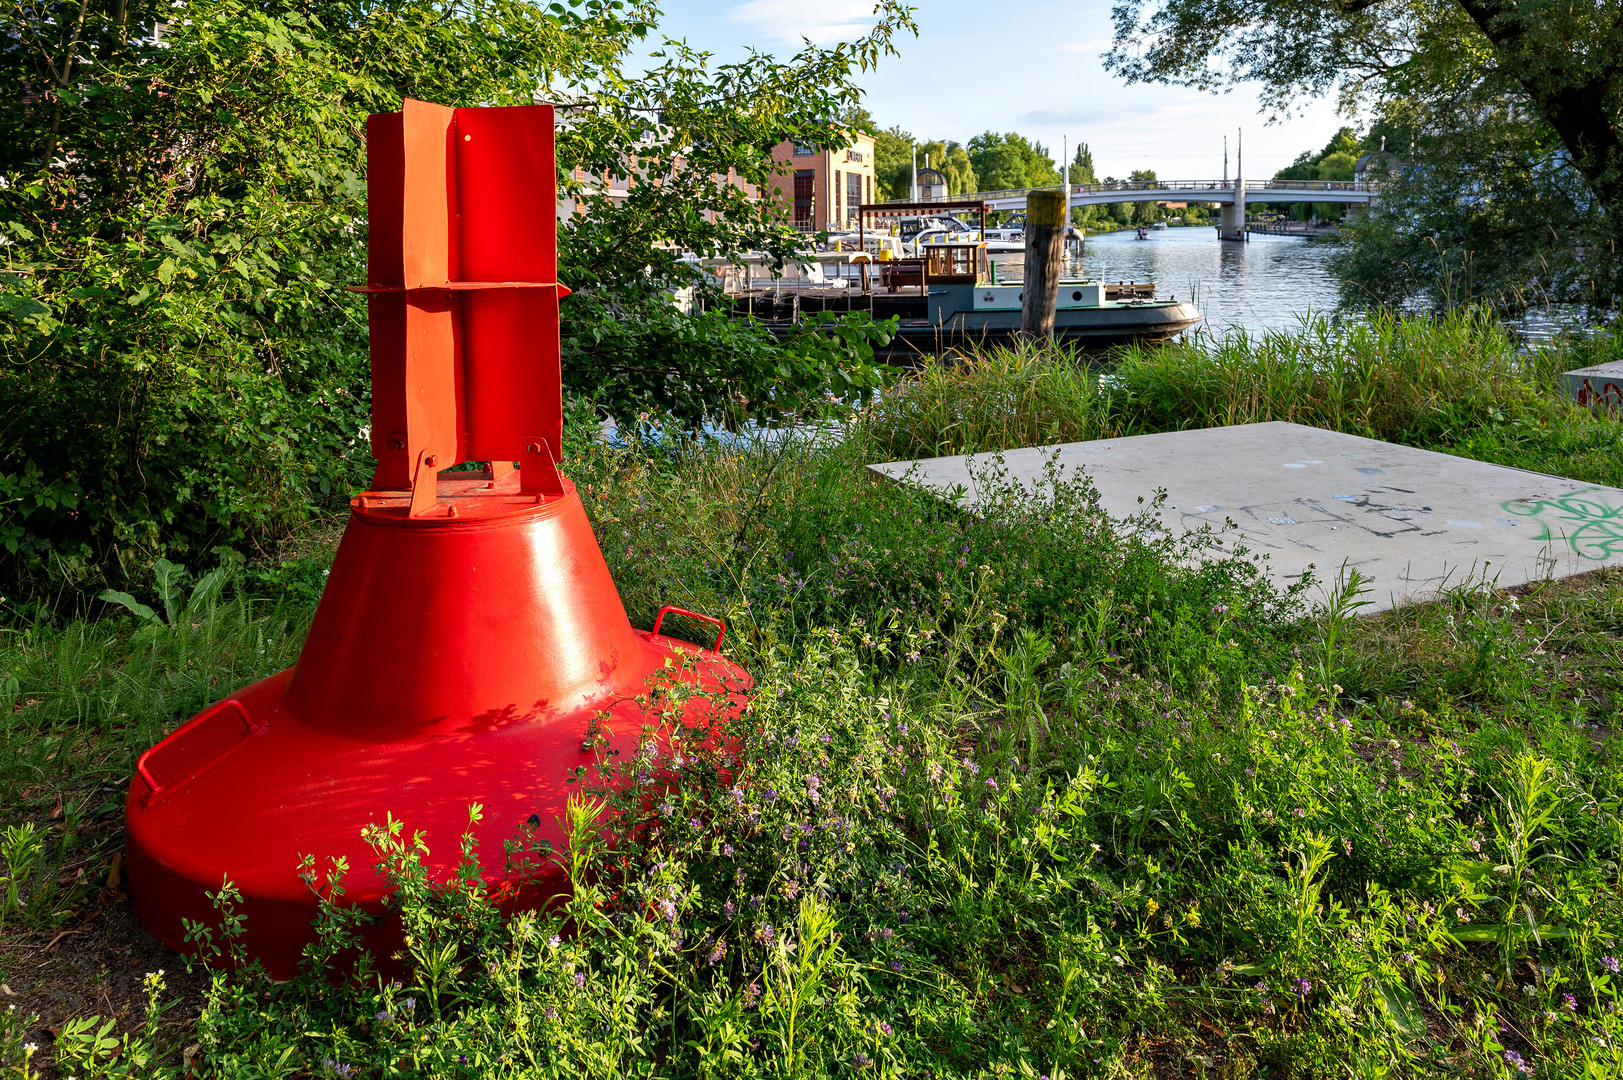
point(430, 460)
point(534, 448)
point(396, 444)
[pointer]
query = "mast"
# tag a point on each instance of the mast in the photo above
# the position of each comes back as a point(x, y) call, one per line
point(1065, 176)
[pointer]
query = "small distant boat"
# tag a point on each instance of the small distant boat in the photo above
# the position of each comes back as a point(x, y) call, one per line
point(1159, 225)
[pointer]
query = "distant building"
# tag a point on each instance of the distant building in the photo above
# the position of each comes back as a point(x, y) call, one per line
point(932, 184)
point(1375, 166)
point(824, 187)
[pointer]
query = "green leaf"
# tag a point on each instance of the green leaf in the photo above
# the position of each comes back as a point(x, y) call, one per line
point(1402, 1009)
point(166, 575)
point(130, 603)
point(207, 590)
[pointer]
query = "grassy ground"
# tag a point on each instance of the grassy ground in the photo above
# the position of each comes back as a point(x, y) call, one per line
point(1022, 793)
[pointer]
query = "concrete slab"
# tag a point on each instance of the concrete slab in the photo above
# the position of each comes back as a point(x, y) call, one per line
point(1601, 385)
point(1413, 521)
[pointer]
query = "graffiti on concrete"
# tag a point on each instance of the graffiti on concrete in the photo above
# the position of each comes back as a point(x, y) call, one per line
point(1586, 521)
point(1608, 395)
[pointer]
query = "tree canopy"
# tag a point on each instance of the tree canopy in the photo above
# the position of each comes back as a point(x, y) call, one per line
point(1081, 170)
point(182, 200)
point(893, 162)
point(1010, 161)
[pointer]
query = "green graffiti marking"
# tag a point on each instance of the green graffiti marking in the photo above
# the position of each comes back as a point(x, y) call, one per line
point(1584, 520)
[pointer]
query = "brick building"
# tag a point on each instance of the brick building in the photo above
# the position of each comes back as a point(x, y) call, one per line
point(824, 187)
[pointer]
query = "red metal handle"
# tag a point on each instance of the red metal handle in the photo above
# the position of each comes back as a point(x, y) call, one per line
point(721, 627)
point(154, 788)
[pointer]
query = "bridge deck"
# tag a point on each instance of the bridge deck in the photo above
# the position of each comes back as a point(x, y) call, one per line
point(1199, 191)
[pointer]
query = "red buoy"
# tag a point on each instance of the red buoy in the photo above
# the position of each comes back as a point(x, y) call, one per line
point(470, 630)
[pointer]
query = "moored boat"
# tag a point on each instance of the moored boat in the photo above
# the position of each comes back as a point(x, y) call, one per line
point(945, 300)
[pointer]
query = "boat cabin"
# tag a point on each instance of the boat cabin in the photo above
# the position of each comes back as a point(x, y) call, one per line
point(955, 264)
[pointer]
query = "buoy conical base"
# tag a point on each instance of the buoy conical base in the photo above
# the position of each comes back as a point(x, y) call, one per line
point(454, 659)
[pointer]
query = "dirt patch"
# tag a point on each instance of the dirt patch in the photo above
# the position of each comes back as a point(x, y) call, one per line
point(96, 966)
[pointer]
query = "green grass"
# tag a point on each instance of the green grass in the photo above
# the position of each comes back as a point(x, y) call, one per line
point(1020, 793)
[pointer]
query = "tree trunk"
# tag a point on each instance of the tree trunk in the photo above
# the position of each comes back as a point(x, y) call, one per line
point(1575, 97)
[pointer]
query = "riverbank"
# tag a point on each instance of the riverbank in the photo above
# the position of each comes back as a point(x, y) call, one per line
point(1021, 794)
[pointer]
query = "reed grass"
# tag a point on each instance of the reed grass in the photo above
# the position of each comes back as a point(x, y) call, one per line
point(1460, 383)
point(998, 399)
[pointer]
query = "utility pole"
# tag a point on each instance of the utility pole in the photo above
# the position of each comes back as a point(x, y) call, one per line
point(1225, 161)
point(913, 187)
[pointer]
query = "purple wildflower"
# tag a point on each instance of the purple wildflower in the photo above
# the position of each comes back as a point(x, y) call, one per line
point(580, 978)
point(1569, 1003)
point(1514, 1060)
point(1609, 963)
point(884, 1028)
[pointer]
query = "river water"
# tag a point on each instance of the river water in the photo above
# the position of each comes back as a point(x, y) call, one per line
point(1268, 283)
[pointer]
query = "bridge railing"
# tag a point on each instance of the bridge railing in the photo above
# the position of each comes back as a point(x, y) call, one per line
point(1170, 186)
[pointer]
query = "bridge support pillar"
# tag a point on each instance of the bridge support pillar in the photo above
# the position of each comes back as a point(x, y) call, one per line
point(1233, 215)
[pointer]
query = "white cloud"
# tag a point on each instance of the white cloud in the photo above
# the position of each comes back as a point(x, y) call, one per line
point(787, 21)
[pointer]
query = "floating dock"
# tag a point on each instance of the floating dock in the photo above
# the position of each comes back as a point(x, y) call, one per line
point(1414, 522)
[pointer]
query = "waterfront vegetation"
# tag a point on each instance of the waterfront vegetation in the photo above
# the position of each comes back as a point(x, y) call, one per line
point(1021, 792)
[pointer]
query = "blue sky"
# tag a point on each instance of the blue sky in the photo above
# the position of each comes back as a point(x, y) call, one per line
point(974, 67)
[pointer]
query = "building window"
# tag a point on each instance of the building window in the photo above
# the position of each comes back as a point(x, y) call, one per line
point(804, 149)
point(869, 182)
point(834, 197)
point(805, 196)
point(853, 195)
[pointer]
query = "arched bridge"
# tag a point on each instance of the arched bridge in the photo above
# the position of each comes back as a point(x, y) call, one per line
point(1195, 191)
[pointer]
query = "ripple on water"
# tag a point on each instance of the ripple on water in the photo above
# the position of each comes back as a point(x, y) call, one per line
point(1268, 283)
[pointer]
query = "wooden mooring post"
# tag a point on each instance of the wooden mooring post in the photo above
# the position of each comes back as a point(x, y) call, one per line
point(1045, 237)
